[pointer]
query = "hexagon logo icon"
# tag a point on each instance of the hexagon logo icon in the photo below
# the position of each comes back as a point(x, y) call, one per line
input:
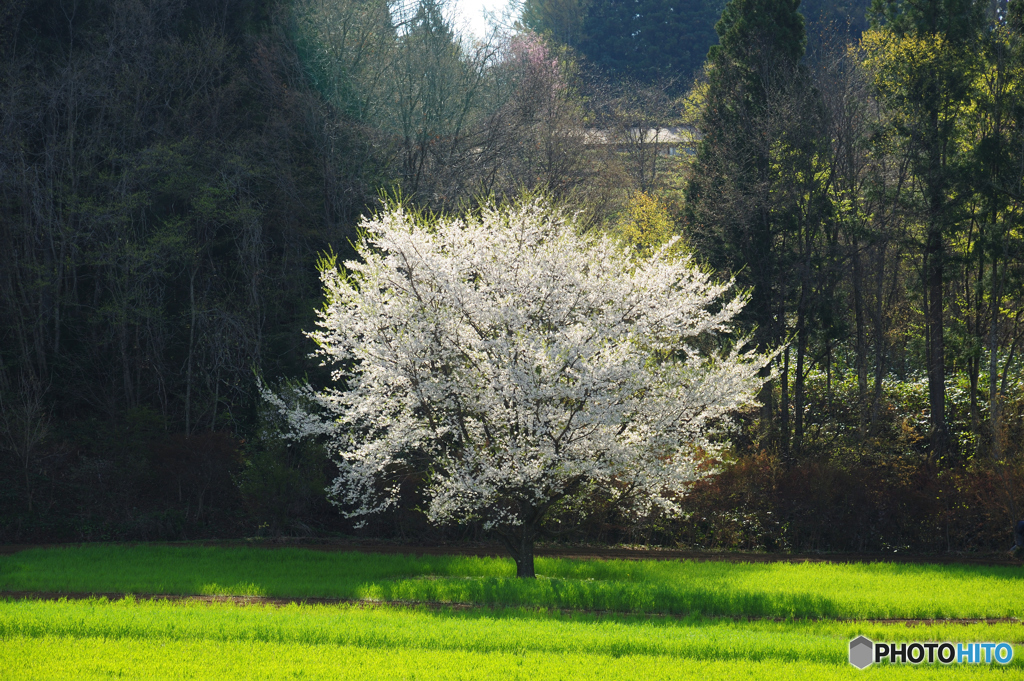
point(862, 650)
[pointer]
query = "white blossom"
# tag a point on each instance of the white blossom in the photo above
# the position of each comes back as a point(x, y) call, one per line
point(514, 363)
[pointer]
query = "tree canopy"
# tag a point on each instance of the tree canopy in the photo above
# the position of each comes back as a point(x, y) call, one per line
point(518, 365)
point(647, 40)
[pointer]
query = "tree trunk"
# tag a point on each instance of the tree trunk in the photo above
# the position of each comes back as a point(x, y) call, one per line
point(881, 350)
point(995, 396)
point(935, 262)
point(191, 349)
point(801, 353)
point(519, 542)
point(784, 403)
point(762, 299)
point(936, 347)
point(860, 356)
point(975, 327)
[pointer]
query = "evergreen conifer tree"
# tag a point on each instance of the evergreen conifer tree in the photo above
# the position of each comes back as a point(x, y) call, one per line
point(757, 117)
point(924, 58)
point(648, 40)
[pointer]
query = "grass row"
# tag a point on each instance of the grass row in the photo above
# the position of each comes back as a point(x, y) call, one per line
point(98, 639)
point(39, 659)
point(859, 590)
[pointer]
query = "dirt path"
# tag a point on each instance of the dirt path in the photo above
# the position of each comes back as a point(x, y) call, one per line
point(436, 605)
point(580, 552)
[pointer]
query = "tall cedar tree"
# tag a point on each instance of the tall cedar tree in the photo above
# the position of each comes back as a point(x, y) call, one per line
point(648, 40)
point(732, 197)
point(561, 20)
point(926, 94)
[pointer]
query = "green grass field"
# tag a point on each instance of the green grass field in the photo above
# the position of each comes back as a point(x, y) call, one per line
point(159, 639)
point(857, 590)
point(518, 634)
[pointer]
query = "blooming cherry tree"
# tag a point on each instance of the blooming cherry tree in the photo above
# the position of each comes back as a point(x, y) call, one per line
point(519, 364)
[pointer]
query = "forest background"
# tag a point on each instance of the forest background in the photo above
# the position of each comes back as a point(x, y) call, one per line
point(171, 171)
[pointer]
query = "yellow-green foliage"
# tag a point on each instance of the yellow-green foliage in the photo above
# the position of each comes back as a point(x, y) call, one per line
point(906, 67)
point(89, 639)
point(646, 225)
point(893, 59)
point(841, 590)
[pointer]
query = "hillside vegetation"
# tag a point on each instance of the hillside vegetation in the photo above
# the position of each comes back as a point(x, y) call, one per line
point(173, 171)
